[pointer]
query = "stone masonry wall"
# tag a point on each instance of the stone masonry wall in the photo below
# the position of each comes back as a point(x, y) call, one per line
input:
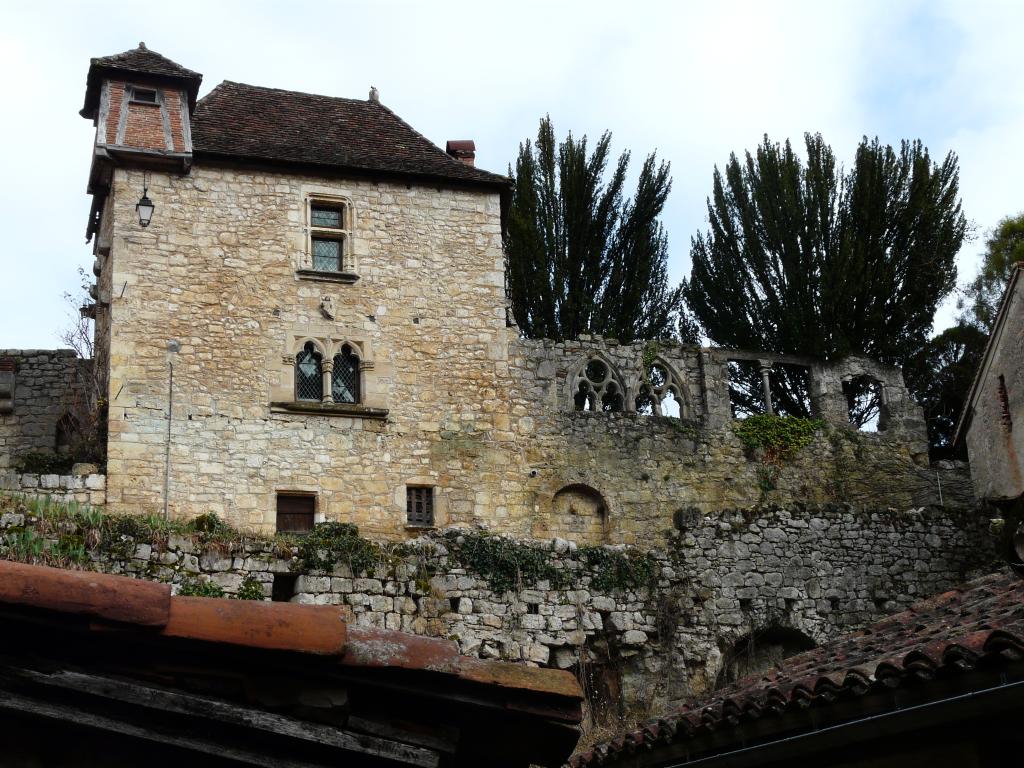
point(218, 272)
point(46, 384)
point(218, 288)
point(817, 570)
point(84, 488)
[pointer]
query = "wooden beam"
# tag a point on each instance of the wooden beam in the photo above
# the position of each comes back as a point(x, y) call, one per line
point(66, 713)
point(232, 714)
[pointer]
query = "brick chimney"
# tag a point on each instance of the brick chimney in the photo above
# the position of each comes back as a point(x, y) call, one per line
point(462, 149)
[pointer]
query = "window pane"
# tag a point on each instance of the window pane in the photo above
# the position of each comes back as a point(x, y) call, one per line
point(345, 377)
point(308, 375)
point(327, 255)
point(326, 217)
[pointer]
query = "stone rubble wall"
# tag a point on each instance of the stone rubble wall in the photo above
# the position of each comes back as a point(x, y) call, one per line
point(46, 384)
point(822, 570)
point(645, 468)
point(89, 488)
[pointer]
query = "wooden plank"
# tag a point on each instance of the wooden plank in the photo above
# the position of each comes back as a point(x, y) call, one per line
point(233, 714)
point(97, 595)
point(313, 629)
point(66, 713)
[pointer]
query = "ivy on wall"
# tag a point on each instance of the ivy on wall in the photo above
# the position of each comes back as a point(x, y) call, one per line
point(779, 437)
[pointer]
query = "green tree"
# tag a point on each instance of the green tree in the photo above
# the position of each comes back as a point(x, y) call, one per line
point(940, 376)
point(1003, 248)
point(582, 258)
point(804, 257)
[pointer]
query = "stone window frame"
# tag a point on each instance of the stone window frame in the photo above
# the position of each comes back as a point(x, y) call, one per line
point(674, 383)
point(440, 500)
point(420, 494)
point(328, 347)
point(349, 271)
point(577, 377)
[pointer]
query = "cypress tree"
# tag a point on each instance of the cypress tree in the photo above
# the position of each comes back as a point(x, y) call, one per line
point(582, 258)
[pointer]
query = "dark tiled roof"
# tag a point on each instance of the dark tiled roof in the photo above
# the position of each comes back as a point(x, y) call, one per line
point(143, 60)
point(265, 124)
point(949, 634)
point(139, 60)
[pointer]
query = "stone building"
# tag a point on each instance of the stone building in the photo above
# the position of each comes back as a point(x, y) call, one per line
point(996, 401)
point(313, 325)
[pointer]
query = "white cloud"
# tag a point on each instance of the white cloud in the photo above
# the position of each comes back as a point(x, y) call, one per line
point(695, 81)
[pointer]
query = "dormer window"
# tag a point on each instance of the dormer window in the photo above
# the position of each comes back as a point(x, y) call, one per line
point(143, 96)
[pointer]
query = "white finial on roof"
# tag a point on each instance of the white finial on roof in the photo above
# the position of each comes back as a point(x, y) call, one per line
point(374, 94)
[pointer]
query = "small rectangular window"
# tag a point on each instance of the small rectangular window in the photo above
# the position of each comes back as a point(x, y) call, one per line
point(144, 95)
point(329, 246)
point(419, 505)
point(295, 512)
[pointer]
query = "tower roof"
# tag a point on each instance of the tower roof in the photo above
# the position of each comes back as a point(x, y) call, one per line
point(137, 61)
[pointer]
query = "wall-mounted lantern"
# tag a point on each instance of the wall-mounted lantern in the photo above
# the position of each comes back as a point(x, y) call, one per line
point(145, 206)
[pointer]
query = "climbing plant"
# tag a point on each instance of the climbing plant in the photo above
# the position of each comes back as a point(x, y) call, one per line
point(780, 437)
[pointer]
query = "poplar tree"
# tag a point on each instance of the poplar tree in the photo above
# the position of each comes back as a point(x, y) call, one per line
point(583, 257)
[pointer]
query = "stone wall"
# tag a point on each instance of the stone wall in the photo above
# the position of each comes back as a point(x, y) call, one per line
point(218, 290)
point(37, 388)
point(83, 487)
point(630, 473)
point(720, 579)
point(996, 449)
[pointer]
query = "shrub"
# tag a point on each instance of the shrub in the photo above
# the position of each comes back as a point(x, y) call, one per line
point(250, 589)
point(42, 463)
point(194, 588)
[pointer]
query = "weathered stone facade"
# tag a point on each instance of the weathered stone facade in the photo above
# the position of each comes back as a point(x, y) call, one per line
point(996, 402)
point(38, 388)
point(817, 571)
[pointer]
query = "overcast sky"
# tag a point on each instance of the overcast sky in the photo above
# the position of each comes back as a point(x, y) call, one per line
point(694, 81)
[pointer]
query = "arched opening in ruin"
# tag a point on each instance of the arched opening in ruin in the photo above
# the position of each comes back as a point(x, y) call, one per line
point(760, 651)
point(865, 403)
point(578, 513)
point(68, 433)
point(597, 387)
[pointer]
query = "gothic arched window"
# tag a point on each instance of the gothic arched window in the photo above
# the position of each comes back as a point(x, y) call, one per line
point(597, 389)
point(309, 380)
point(345, 376)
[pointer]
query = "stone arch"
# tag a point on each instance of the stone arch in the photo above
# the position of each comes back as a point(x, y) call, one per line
point(762, 650)
point(654, 389)
point(299, 343)
point(586, 390)
point(578, 512)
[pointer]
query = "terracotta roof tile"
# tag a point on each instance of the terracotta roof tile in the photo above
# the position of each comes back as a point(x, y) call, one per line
point(266, 124)
point(948, 634)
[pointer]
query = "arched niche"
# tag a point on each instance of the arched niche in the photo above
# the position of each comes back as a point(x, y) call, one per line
point(762, 650)
point(577, 513)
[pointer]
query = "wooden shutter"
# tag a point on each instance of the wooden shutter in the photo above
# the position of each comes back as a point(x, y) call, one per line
point(295, 513)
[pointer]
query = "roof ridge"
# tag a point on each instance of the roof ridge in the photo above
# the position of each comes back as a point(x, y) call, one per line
point(291, 92)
